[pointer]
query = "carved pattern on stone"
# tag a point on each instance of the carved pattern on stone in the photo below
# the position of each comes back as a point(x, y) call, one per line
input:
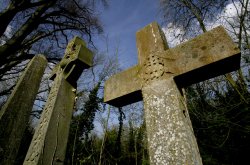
point(153, 68)
point(61, 73)
point(39, 137)
point(70, 54)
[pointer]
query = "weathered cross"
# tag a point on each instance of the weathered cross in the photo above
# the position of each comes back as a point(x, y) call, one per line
point(157, 80)
point(49, 142)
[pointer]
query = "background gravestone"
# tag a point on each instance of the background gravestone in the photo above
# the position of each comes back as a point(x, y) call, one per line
point(15, 114)
point(49, 142)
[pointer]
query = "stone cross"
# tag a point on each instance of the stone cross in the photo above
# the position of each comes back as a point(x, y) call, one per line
point(49, 142)
point(158, 80)
point(15, 114)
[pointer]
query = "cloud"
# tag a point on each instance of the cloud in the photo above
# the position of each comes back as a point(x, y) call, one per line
point(229, 13)
point(8, 31)
point(173, 34)
point(7, 34)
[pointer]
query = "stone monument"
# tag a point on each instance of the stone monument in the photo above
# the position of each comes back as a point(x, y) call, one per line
point(15, 114)
point(158, 80)
point(49, 142)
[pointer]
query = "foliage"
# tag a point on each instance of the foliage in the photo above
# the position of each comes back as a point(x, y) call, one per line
point(91, 149)
point(221, 125)
point(219, 108)
point(81, 126)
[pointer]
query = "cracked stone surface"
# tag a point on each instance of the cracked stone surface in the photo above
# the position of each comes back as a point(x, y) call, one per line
point(170, 134)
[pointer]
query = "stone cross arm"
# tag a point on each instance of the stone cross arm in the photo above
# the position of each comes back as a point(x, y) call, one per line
point(208, 55)
point(123, 88)
point(77, 58)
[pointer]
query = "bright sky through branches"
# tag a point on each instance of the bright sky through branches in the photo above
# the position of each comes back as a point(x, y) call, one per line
point(123, 18)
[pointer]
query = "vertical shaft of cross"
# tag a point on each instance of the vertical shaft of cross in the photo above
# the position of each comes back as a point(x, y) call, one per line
point(49, 142)
point(15, 114)
point(170, 135)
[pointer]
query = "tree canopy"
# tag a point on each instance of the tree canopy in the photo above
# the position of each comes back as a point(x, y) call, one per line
point(38, 26)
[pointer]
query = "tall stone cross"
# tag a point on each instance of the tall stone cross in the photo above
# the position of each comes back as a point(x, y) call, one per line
point(158, 80)
point(49, 142)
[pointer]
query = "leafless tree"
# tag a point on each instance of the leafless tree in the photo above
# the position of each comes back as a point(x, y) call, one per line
point(45, 23)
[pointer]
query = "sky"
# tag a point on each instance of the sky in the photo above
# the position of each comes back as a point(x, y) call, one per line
point(121, 20)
